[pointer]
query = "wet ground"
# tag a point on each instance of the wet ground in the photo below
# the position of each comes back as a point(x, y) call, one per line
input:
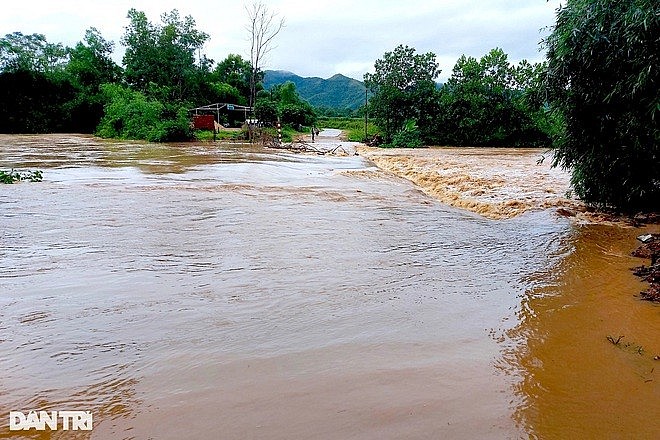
point(227, 291)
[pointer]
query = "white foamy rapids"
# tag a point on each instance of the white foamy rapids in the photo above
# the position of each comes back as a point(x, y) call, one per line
point(495, 183)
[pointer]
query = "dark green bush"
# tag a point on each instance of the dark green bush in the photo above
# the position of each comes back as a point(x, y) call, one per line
point(297, 114)
point(408, 136)
point(603, 78)
point(131, 115)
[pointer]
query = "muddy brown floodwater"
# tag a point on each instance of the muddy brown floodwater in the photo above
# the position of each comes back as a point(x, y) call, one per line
point(218, 291)
point(497, 186)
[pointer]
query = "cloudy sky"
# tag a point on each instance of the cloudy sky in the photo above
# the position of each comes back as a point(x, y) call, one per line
point(321, 37)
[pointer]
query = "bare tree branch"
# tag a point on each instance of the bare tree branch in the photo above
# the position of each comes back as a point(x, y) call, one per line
point(263, 26)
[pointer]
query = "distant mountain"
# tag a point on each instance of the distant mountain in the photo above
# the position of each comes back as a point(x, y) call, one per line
point(338, 92)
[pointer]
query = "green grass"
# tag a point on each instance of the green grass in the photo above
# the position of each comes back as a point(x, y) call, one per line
point(207, 135)
point(288, 134)
point(354, 127)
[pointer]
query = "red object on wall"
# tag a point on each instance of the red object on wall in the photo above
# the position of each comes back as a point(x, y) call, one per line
point(204, 122)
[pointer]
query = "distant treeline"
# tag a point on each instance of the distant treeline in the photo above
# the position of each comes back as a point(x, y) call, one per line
point(485, 102)
point(46, 87)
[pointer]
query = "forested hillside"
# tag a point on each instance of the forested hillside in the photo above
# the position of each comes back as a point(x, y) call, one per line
point(339, 91)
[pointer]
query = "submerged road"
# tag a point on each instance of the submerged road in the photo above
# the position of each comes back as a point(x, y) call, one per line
point(330, 132)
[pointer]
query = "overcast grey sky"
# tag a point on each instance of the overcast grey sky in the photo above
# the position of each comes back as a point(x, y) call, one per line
point(321, 37)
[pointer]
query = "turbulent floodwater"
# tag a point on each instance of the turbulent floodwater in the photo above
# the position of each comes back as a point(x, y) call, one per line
point(218, 291)
point(497, 186)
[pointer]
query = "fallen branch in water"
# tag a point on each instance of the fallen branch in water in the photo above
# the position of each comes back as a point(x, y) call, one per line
point(613, 340)
point(300, 146)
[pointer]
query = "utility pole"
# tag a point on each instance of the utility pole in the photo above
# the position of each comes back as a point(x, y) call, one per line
point(366, 115)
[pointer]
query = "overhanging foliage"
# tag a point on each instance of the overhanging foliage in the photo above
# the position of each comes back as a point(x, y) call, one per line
point(603, 78)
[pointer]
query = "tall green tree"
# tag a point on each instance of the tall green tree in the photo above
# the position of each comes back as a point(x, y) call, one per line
point(90, 65)
point(31, 53)
point(236, 72)
point(34, 89)
point(402, 88)
point(603, 77)
point(282, 101)
point(490, 102)
point(531, 99)
point(464, 102)
point(164, 55)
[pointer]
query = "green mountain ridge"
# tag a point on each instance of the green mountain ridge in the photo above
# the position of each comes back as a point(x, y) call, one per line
point(338, 91)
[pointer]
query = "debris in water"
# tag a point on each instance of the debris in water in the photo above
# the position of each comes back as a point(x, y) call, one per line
point(650, 249)
point(565, 212)
point(645, 238)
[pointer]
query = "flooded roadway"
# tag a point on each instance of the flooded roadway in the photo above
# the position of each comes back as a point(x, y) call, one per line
point(218, 291)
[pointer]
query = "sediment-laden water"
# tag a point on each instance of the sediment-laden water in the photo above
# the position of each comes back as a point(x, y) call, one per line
point(219, 291)
point(497, 186)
